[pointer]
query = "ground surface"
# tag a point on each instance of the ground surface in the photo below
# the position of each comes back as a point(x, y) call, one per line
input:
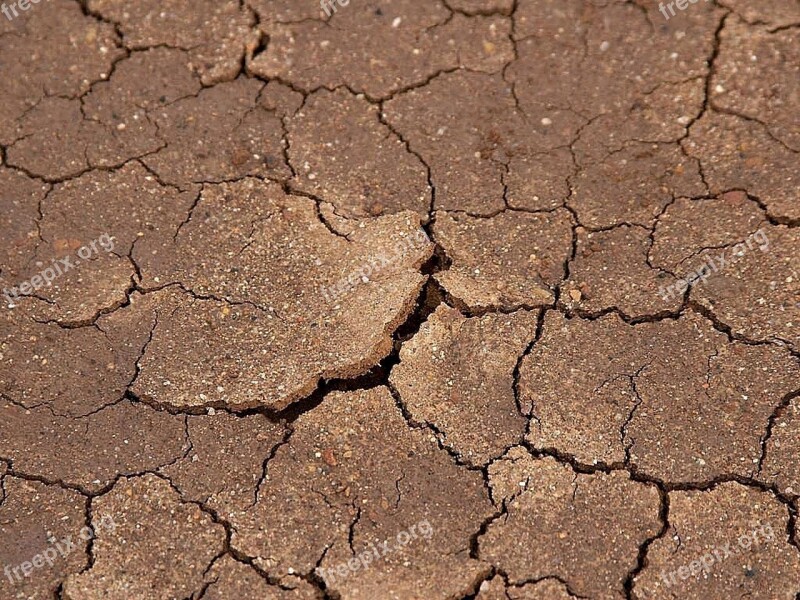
point(393, 304)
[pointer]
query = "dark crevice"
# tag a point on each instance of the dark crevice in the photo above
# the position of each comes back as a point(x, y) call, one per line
point(773, 219)
point(328, 225)
point(91, 321)
point(623, 433)
point(429, 172)
point(287, 434)
point(779, 411)
point(376, 376)
point(664, 315)
point(641, 559)
point(728, 330)
point(751, 119)
point(711, 62)
point(537, 335)
point(480, 11)
point(189, 214)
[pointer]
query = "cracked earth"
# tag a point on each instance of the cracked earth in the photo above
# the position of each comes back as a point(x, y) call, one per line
point(267, 377)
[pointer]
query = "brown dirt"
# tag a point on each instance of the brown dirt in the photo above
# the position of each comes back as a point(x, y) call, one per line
point(441, 300)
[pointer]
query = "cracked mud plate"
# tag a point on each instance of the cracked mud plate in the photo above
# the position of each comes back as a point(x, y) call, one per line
point(410, 300)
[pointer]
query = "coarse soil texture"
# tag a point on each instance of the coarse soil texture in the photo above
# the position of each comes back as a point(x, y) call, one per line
point(399, 299)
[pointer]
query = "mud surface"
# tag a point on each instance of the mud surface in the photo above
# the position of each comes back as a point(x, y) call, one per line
point(457, 300)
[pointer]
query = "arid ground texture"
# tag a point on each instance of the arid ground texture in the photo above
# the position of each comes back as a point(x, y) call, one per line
point(399, 299)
